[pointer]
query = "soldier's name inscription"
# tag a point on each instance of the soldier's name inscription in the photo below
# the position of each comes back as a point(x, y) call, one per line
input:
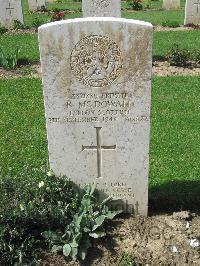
point(99, 107)
point(103, 107)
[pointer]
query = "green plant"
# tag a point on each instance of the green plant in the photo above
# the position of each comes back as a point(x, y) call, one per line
point(37, 22)
point(2, 30)
point(9, 60)
point(18, 25)
point(28, 206)
point(125, 259)
point(170, 23)
point(146, 4)
point(179, 56)
point(197, 57)
point(135, 4)
point(87, 223)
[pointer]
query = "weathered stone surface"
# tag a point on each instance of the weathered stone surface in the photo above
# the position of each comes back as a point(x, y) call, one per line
point(101, 8)
point(171, 4)
point(36, 4)
point(10, 10)
point(192, 12)
point(97, 89)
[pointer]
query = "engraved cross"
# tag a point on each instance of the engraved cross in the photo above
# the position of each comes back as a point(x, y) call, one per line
point(197, 4)
point(10, 8)
point(99, 149)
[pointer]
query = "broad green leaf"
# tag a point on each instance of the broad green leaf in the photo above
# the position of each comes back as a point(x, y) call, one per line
point(86, 202)
point(74, 244)
point(98, 222)
point(74, 252)
point(92, 188)
point(87, 189)
point(66, 250)
point(77, 237)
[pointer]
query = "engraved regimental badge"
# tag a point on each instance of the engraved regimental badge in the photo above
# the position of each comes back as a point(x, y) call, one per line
point(96, 61)
point(101, 3)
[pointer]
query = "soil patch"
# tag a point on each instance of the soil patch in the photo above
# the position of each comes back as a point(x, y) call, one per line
point(181, 28)
point(161, 239)
point(28, 71)
point(155, 28)
point(164, 69)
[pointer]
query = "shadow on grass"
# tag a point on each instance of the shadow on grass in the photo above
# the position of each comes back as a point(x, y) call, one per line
point(175, 196)
point(161, 58)
point(26, 62)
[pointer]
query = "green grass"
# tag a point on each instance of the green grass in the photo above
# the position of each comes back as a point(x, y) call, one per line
point(155, 14)
point(175, 127)
point(161, 44)
point(175, 138)
point(163, 41)
point(27, 42)
point(157, 17)
point(22, 123)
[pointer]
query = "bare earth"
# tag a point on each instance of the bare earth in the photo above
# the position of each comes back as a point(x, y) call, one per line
point(156, 240)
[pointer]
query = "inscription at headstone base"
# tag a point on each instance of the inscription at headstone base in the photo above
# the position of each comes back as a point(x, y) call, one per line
point(36, 4)
point(10, 10)
point(101, 8)
point(171, 4)
point(97, 90)
point(192, 12)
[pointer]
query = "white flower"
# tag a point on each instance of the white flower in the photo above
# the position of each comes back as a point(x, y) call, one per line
point(49, 173)
point(187, 225)
point(21, 207)
point(174, 249)
point(194, 243)
point(41, 184)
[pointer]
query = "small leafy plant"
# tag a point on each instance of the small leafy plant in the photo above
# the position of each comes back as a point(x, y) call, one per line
point(179, 56)
point(9, 60)
point(57, 16)
point(171, 24)
point(37, 22)
point(87, 223)
point(135, 4)
point(17, 25)
point(29, 204)
point(2, 30)
point(39, 212)
point(197, 57)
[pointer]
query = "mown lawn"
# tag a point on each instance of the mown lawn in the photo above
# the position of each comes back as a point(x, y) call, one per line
point(154, 14)
point(175, 153)
point(162, 42)
point(175, 127)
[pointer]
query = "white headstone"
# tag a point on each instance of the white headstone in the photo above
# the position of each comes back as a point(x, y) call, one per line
point(192, 12)
point(101, 8)
point(9, 11)
point(171, 4)
point(36, 4)
point(97, 89)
